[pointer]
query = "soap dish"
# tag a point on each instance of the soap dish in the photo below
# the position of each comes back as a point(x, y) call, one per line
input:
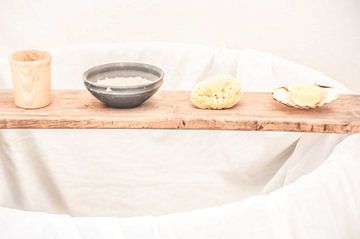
point(281, 94)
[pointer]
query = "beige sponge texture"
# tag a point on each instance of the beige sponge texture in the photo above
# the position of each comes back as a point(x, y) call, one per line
point(217, 92)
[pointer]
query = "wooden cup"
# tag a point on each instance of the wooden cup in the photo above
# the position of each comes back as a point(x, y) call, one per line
point(30, 73)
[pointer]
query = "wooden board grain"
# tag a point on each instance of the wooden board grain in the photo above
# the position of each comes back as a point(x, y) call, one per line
point(173, 110)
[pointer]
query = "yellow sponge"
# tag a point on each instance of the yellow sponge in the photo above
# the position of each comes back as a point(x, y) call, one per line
point(216, 92)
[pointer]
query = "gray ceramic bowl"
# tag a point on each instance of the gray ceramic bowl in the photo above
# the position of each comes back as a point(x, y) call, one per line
point(123, 96)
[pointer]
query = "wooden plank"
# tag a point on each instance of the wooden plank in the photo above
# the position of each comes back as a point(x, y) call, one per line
point(173, 110)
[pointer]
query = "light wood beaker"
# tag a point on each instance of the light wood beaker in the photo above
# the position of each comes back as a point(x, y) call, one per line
point(30, 73)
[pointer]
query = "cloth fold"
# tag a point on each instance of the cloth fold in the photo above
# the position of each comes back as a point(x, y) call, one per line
point(323, 204)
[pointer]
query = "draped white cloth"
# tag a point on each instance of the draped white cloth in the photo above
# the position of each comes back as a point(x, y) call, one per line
point(178, 184)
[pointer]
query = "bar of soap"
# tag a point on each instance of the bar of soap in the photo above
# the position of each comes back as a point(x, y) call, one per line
point(305, 94)
point(217, 92)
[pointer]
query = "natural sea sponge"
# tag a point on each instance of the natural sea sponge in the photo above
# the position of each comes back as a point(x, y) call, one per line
point(216, 92)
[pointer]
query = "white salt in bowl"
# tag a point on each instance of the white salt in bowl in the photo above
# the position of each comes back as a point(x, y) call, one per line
point(111, 83)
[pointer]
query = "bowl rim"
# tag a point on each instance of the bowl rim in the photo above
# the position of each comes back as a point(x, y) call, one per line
point(122, 63)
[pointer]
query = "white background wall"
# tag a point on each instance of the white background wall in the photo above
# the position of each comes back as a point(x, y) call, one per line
point(323, 34)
